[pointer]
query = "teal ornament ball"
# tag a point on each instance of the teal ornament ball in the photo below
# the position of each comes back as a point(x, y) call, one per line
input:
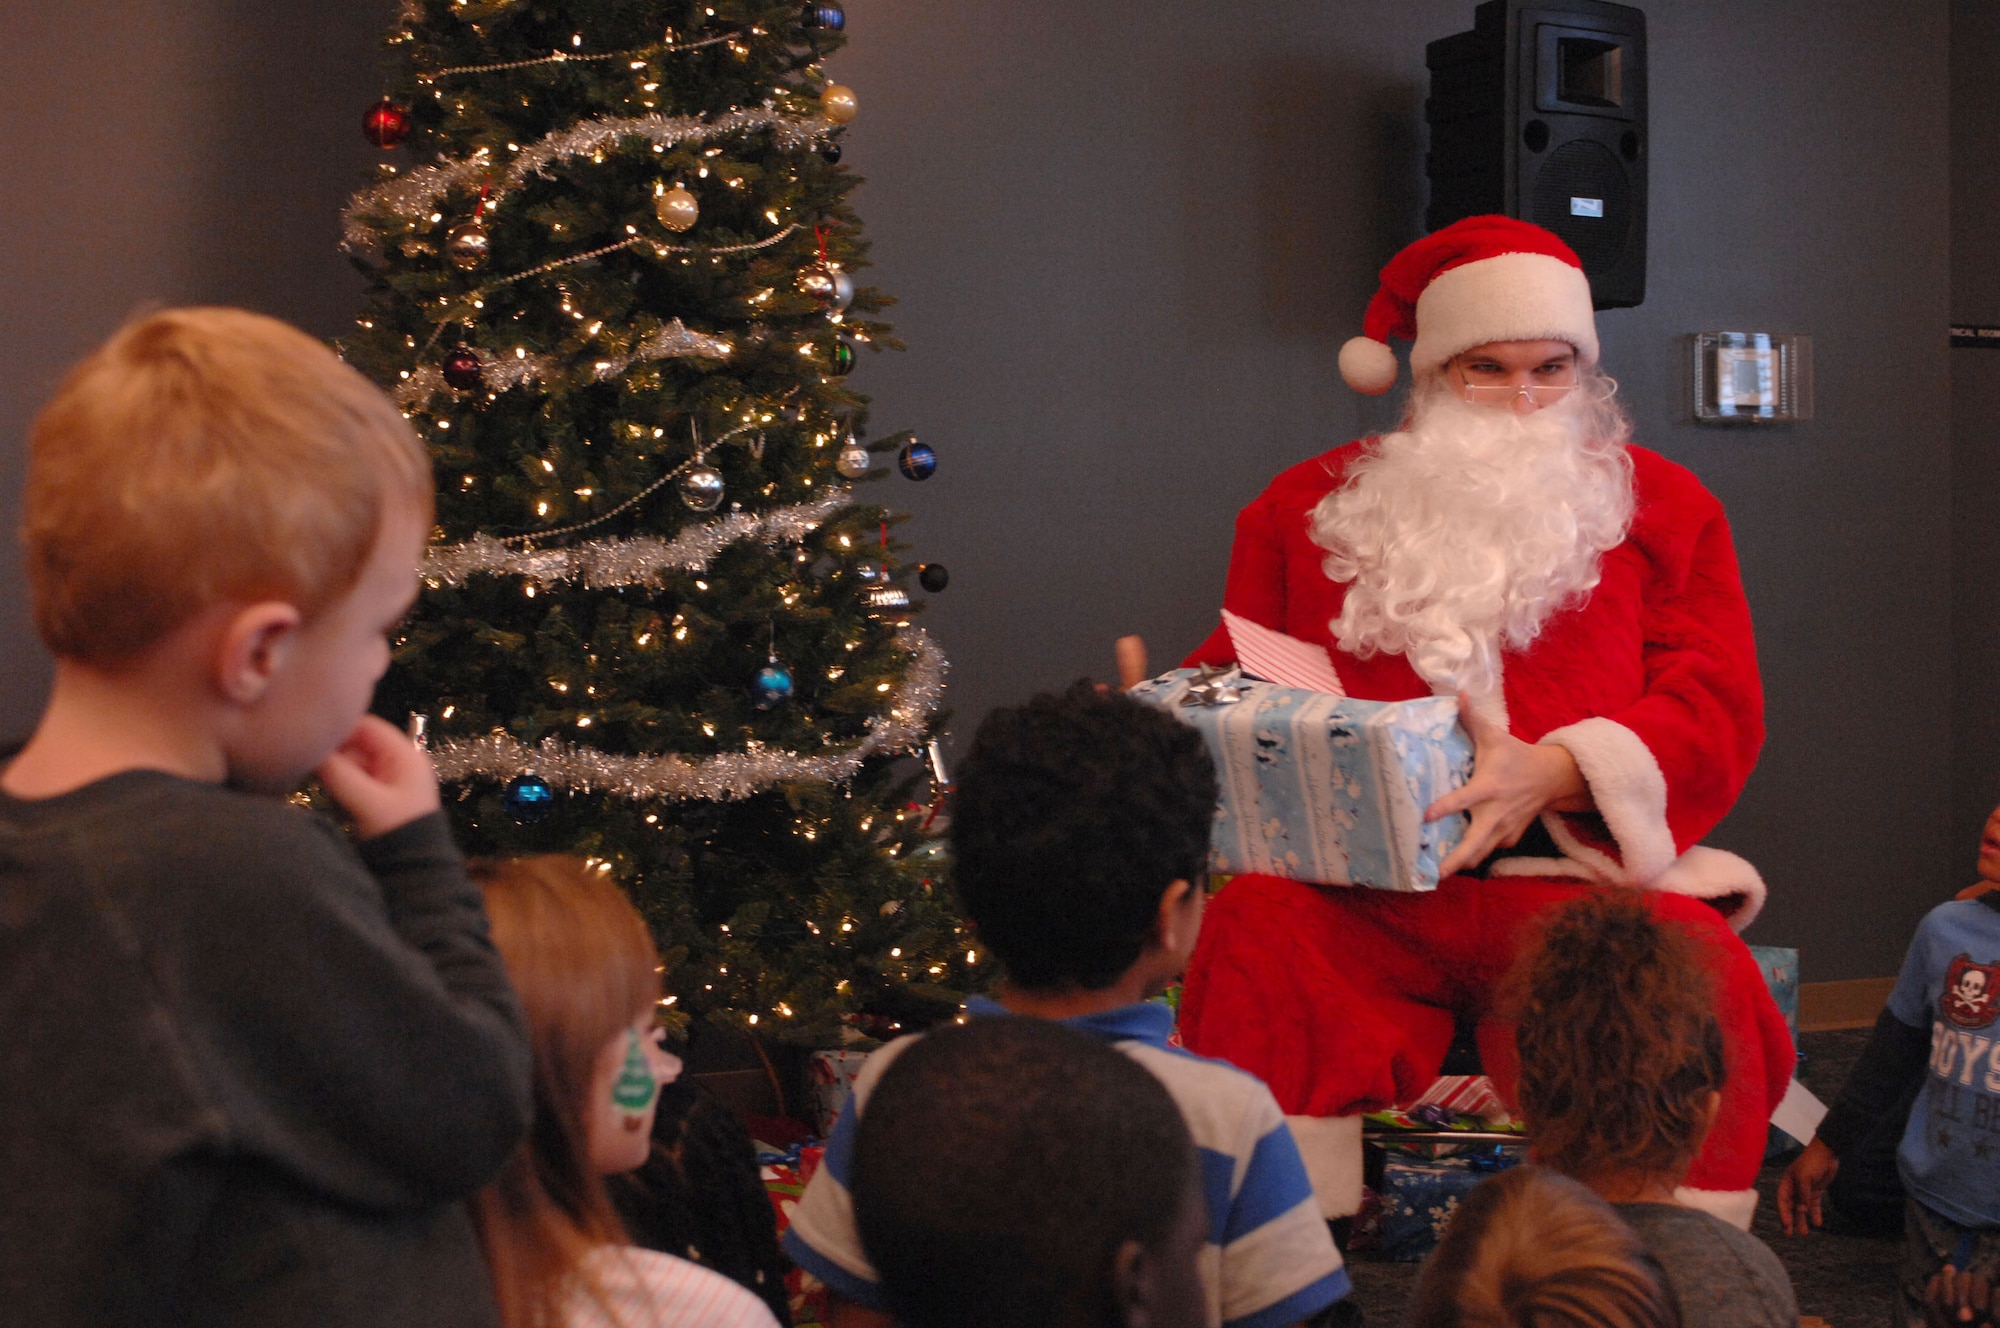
point(529, 799)
point(773, 686)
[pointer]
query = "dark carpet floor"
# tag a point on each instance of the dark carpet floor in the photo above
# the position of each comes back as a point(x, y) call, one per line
point(1849, 1281)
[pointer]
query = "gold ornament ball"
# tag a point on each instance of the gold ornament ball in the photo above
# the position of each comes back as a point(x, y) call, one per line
point(677, 209)
point(469, 246)
point(838, 103)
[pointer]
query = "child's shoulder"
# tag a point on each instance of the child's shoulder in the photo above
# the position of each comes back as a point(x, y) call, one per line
point(1226, 1109)
point(1956, 920)
point(169, 844)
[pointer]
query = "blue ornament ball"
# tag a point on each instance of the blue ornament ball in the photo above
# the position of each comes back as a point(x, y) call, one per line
point(529, 799)
point(773, 687)
point(917, 461)
point(831, 18)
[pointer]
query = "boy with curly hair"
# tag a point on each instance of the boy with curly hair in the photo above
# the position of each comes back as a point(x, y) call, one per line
point(1080, 838)
point(1621, 1072)
point(248, 1069)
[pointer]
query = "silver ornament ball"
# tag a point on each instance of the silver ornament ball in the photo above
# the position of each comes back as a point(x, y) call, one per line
point(852, 462)
point(701, 488)
point(843, 289)
point(816, 283)
point(469, 246)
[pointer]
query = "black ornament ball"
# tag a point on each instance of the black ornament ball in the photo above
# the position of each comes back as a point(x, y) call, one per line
point(463, 369)
point(933, 577)
point(829, 18)
point(831, 152)
point(529, 799)
point(843, 357)
point(386, 124)
point(917, 461)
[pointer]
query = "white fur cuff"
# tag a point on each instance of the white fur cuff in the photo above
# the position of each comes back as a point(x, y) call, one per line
point(1631, 795)
point(1735, 1207)
point(1330, 1146)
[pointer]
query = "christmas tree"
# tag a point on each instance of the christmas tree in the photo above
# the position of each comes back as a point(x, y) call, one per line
point(610, 282)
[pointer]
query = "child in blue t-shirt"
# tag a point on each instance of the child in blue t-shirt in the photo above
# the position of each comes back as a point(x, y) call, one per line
point(1079, 832)
point(1939, 1027)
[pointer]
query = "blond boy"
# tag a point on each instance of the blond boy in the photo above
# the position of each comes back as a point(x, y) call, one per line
point(247, 1068)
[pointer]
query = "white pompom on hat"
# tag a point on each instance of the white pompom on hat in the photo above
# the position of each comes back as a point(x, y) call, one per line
point(1479, 280)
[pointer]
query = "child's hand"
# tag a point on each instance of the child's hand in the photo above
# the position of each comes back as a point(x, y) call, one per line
point(1955, 1299)
point(1803, 1186)
point(380, 778)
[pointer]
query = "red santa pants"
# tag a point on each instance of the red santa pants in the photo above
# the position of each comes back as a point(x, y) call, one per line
point(1344, 1000)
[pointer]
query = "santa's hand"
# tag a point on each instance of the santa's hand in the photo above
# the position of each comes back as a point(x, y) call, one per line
point(1512, 783)
point(1131, 653)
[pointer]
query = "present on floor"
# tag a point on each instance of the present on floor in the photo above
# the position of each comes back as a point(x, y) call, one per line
point(1405, 1211)
point(832, 1074)
point(785, 1177)
point(1780, 965)
point(1322, 788)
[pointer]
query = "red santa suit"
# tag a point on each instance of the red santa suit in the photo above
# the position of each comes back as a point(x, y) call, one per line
point(1344, 1000)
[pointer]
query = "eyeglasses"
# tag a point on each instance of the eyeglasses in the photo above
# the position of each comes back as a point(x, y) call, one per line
point(1505, 394)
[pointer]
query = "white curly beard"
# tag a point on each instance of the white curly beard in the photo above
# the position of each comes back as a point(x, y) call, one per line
point(1465, 531)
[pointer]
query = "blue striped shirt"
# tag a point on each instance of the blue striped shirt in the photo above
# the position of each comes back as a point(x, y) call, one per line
point(1269, 1260)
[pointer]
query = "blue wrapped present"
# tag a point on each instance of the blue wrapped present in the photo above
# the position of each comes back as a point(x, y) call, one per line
point(1418, 1198)
point(1322, 788)
point(1781, 974)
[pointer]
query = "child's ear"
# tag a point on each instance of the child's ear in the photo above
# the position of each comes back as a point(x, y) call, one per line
point(1179, 919)
point(256, 643)
point(1134, 1285)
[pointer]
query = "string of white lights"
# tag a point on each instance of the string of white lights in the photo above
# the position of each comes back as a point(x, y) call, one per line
point(645, 561)
point(414, 195)
point(726, 776)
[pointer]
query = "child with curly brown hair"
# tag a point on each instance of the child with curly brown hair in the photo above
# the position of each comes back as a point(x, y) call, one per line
point(1621, 1070)
point(1531, 1248)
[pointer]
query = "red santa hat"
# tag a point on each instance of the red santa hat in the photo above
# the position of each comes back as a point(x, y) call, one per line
point(1477, 280)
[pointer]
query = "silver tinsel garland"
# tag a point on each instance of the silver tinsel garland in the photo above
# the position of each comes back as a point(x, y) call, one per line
point(724, 777)
point(413, 197)
point(605, 564)
point(675, 340)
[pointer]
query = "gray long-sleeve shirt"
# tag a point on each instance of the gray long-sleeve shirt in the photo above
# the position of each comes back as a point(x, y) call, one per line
point(247, 1070)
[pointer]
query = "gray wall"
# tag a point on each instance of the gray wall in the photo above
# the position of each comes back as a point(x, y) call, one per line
point(1975, 417)
point(1129, 239)
point(163, 153)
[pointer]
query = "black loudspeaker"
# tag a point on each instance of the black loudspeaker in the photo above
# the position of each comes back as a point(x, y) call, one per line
point(1539, 113)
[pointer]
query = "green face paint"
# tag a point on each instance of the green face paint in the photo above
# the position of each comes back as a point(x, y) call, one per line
point(635, 1087)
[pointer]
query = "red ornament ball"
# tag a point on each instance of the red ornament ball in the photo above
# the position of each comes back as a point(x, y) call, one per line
point(463, 369)
point(386, 124)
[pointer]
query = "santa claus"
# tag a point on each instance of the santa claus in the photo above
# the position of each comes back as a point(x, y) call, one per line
point(1581, 597)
